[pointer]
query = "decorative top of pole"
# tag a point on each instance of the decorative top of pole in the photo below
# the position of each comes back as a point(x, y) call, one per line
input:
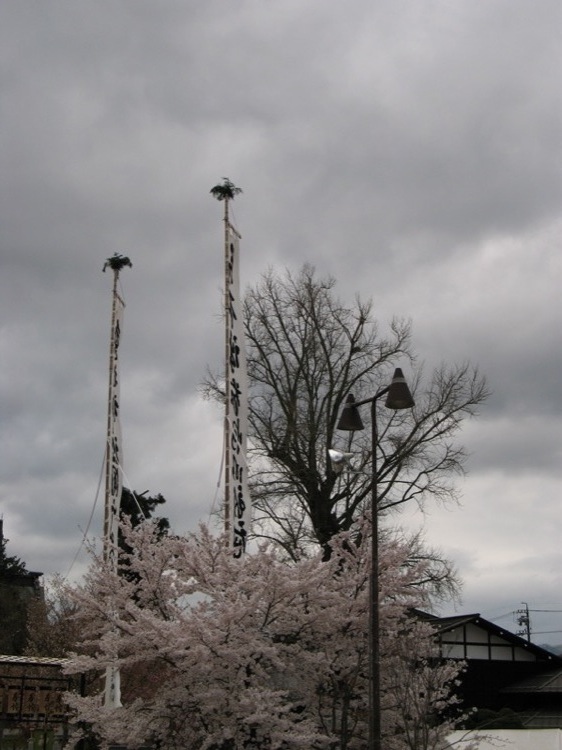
point(225, 192)
point(117, 262)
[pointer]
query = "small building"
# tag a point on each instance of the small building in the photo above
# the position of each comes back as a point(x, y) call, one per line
point(32, 710)
point(507, 678)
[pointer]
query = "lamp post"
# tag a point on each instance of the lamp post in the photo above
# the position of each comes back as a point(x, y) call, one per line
point(398, 396)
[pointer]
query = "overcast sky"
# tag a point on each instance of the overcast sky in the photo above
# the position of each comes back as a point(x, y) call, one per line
point(410, 149)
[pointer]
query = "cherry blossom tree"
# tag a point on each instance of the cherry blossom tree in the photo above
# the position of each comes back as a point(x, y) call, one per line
point(53, 624)
point(258, 653)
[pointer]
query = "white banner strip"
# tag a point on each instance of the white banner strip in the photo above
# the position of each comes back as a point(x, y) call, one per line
point(238, 502)
point(114, 445)
point(114, 479)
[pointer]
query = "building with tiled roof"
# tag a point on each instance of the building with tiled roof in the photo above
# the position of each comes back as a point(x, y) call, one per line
point(507, 678)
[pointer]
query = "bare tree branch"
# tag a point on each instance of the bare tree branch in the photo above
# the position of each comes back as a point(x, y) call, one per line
point(306, 352)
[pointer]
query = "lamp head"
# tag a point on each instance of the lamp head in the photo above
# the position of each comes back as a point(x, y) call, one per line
point(399, 396)
point(338, 460)
point(350, 419)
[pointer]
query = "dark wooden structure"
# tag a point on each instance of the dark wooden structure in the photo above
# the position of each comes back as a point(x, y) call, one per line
point(32, 710)
point(505, 674)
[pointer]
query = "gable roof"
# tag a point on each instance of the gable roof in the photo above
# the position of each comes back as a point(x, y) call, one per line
point(445, 625)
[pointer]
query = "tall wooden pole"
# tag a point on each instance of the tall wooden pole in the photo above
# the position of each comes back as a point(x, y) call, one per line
point(109, 540)
point(226, 192)
point(113, 460)
point(227, 333)
point(112, 695)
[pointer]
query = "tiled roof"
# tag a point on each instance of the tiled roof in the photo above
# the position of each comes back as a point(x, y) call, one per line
point(547, 682)
point(542, 720)
point(34, 660)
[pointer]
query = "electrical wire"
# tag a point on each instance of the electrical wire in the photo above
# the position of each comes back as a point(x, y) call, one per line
point(126, 478)
point(218, 486)
point(100, 480)
point(499, 617)
point(89, 519)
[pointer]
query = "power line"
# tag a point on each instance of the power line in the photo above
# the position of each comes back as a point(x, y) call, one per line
point(85, 535)
point(523, 619)
point(499, 617)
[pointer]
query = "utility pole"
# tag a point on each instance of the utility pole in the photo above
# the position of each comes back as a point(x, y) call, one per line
point(524, 621)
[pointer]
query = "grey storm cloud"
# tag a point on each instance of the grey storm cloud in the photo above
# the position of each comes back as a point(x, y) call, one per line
point(412, 151)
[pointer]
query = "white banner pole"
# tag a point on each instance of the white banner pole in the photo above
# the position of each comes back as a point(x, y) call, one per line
point(113, 459)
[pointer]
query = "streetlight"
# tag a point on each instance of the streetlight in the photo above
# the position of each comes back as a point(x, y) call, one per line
point(398, 396)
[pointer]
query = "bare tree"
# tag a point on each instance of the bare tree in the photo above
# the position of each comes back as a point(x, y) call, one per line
point(306, 352)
